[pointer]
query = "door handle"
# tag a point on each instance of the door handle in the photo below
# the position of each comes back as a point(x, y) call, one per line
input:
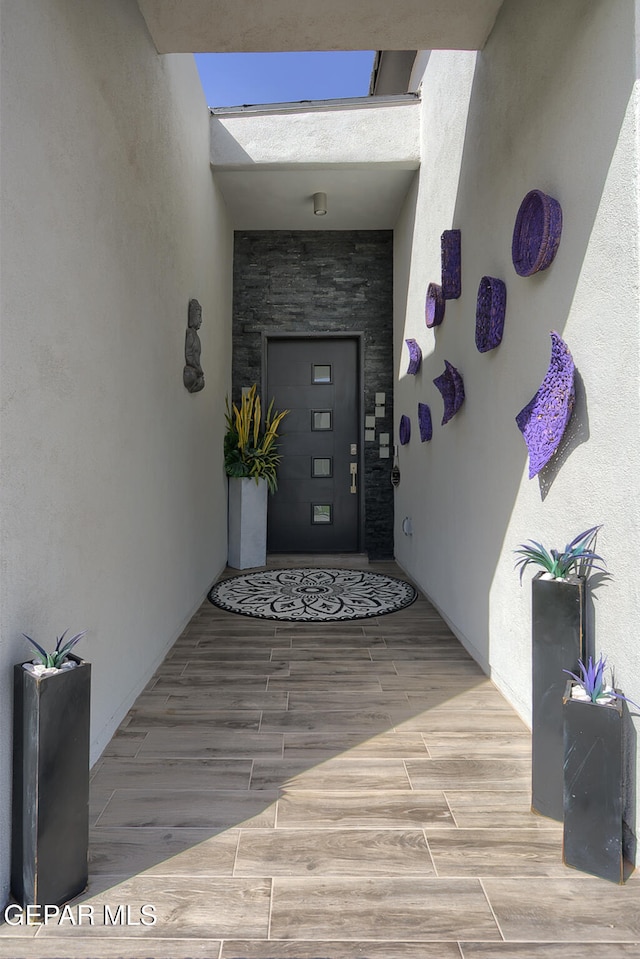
point(353, 467)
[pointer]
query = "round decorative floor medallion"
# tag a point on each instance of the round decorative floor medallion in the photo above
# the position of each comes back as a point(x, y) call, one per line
point(312, 595)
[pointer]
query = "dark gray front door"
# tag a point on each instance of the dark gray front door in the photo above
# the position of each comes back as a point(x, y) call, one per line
point(317, 505)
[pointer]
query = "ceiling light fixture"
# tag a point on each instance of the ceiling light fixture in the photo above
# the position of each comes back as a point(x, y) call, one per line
point(320, 204)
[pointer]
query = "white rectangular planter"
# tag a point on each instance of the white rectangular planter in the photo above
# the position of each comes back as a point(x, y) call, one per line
point(247, 523)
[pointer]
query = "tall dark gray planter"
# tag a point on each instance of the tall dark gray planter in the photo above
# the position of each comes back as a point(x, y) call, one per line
point(50, 833)
point(557, 643)
point(593, 787)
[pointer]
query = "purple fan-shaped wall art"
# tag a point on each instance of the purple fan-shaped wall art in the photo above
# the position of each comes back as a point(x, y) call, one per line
point(452, 388)
point(536, 234)
point(434, 306)
point(490, 309)
point(415, 356)
point(544, 419)
point(424, 422)
point(405, 430)
point(450, 261)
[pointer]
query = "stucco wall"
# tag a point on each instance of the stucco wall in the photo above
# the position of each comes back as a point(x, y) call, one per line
point(550, 103)
point(113, 493)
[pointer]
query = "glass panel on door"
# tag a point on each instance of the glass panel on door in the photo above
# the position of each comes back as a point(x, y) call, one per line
point(321, 466)
point(321, 513)
point(321, 420)
point(321, 373)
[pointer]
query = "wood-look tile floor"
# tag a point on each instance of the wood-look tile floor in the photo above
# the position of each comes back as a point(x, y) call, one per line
point(343, 791)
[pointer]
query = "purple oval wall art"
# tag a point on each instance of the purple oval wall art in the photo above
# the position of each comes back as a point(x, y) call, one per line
point(434, 306)
point(536, 234)
point(451, 264)
point(544, 419)
point(424, 422)
point(415, 356)
point(490, 310)
point(452, 389)
point(405, 430)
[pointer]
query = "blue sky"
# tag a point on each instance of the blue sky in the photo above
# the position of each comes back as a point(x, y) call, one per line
point(233, 79)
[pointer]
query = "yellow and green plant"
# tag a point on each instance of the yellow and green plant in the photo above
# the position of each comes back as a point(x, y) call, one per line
point(250, 447)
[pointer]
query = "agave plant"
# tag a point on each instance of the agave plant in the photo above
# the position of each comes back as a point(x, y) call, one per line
point(249, 445)
point(578, 556)
point(591, 681)
point(55, 659)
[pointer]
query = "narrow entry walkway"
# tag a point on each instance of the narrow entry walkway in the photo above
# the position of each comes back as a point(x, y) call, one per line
point(353, 790)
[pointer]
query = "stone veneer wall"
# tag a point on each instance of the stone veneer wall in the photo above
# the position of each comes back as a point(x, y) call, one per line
point(324, 282)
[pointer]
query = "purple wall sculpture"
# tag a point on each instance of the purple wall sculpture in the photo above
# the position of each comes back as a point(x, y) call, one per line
point(415, 356)
point(434, 306)
point(452, 388)
point(451, 264)
point(544, 419)
point(490, 310)
point(405, 430)
point(424, 422)
point(536, 234)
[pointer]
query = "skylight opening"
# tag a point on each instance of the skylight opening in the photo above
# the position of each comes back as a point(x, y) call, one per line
point(243, 79)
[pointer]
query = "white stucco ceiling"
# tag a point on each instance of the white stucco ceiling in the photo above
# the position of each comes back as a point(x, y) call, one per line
point(362, 153)
point(357, 199)
point(383, 130)
point(274, 191)
point(201, 26)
